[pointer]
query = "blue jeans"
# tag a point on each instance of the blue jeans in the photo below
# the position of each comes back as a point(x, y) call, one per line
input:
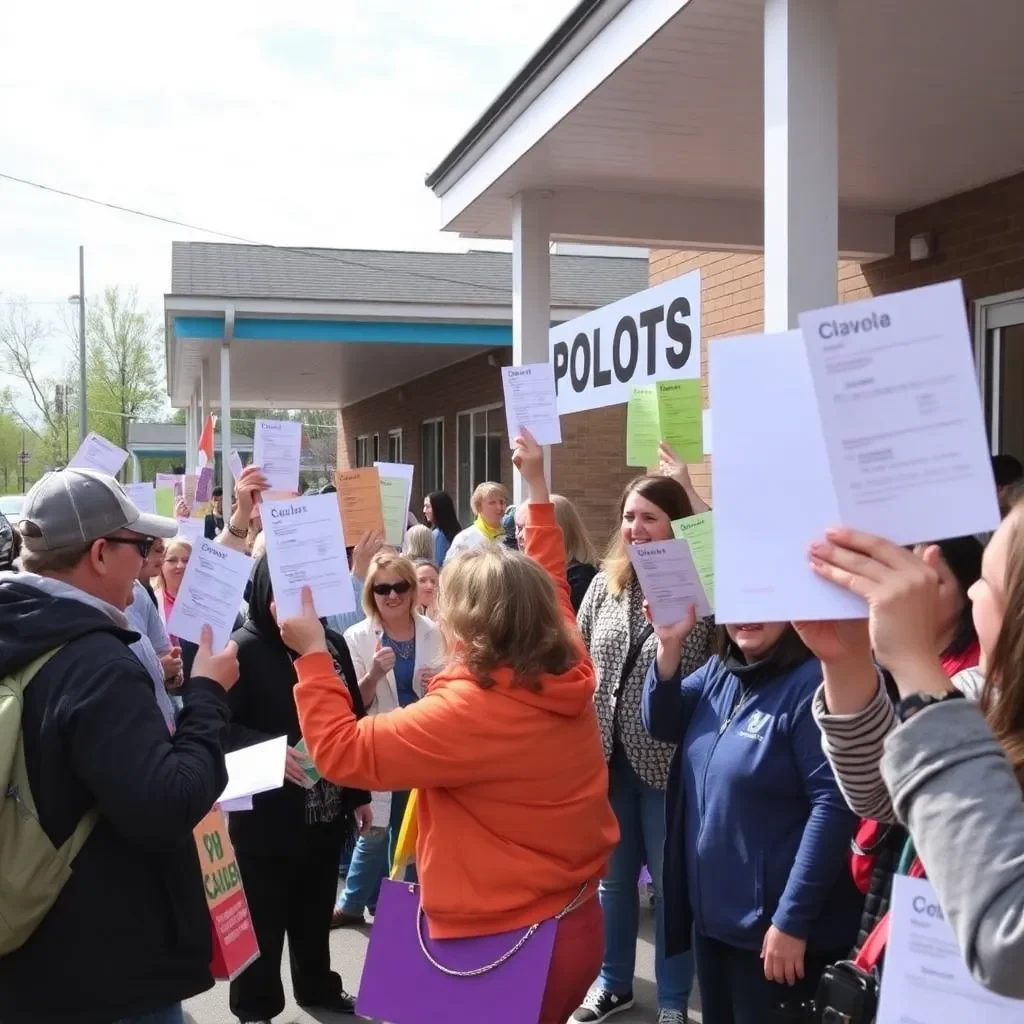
point(371, 861)
point(170, 1015)
point(640, 810)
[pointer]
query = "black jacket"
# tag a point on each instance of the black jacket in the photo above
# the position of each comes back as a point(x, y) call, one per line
point(580, 575)
point(262, 707)
point(130, 932)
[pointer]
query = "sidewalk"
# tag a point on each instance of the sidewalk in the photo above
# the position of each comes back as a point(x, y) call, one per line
point(348, 949)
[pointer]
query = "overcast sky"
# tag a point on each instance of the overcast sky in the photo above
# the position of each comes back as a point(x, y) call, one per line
point(305, 123)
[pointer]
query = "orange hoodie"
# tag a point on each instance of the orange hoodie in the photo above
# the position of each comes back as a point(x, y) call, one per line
point(513, 808)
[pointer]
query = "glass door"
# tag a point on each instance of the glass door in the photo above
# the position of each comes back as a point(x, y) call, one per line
point(1001, 369)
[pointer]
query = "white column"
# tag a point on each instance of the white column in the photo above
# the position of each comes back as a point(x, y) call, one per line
point(204, 394)
point(531, 293)
point(193, 439)
point(226, 480)
point(188, 436)
point(801, 183)
point(136, 469)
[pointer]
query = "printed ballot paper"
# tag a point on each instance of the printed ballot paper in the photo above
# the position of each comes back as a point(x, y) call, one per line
point(925, 979)
point(359, 500)
point(901, 413)
point(669, 580)
point(277, 450)
point(210, 593)
point(698, 532)
point(143, 497)
point(99, 454)
point(306, 548)
point(395, 482)
point(531, 402)
point(235, 465)
point(669, 411)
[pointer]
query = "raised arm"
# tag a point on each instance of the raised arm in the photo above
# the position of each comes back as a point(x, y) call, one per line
point(236, 527)
point(543, 542)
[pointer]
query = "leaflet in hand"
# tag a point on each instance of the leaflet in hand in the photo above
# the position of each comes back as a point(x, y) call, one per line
point(255, 769)
point(277, 450)
point(143, 497)
point(99, 454)
point(210, 593)
point(901, 413)
point(531, 402)
point(698, 532)
point(306, 547)
point(925, 979)
point(669, 580)
point(395, 482)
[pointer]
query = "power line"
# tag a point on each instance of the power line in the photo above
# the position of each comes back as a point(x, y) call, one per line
point(311, 253)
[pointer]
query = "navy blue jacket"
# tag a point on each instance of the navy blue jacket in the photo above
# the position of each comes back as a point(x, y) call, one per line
point(757, 832)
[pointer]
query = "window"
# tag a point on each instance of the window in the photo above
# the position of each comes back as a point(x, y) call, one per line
point(376, 449)
point(395, 445)
point(363, 451)
point(432, 455)
point(481, 438)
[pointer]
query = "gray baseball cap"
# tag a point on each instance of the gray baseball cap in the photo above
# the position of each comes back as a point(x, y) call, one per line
point(72, 507)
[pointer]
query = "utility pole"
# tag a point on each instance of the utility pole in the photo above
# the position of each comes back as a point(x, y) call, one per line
point(23, 459)
point(83, 418)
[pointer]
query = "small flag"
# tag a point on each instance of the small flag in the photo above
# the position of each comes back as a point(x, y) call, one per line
point(206, 440)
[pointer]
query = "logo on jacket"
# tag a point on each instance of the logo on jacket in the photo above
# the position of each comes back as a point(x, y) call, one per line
point(755, 727)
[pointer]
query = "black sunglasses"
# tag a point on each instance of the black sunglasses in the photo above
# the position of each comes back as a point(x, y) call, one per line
point(383, 589)
point(141, 544)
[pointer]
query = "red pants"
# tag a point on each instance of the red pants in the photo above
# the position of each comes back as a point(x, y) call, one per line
point(575, 962)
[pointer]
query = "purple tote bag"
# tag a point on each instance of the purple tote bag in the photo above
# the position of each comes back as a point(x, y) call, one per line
point(401, 986)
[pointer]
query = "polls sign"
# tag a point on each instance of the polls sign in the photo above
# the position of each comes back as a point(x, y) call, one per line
point(652, 335)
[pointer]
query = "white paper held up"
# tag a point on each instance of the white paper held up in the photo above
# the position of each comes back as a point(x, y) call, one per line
point(772, 484)
point(255, 769)
point(306, 547)
point(277, 450)
point(901, 412)
point(143, 497)
point(99, 454)
point(669, 580)
point(531, 402)
point(210, 593)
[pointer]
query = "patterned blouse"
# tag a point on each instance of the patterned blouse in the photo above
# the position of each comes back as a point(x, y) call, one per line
point(611, 624)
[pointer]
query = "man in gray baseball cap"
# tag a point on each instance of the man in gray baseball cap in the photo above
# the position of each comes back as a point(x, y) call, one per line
point(128, 937)
point(67, 513)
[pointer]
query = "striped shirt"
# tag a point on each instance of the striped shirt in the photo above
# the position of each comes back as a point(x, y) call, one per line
point(854, 745)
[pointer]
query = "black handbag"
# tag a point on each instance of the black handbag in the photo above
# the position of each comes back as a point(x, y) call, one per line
point(847, 994)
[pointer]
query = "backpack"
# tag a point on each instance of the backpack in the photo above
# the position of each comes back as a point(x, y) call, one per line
point(32, 870)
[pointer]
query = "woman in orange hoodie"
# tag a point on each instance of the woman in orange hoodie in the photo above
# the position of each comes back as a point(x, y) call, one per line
point(504, 749)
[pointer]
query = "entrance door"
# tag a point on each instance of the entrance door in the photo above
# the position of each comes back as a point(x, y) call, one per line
point(1000, 354)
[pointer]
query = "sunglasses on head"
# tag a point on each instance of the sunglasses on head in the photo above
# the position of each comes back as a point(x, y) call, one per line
point(384, 589)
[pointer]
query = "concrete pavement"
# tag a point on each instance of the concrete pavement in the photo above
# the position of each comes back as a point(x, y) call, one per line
point(348, 948)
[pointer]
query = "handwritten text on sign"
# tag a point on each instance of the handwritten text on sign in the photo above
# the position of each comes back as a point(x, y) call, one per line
point(652, 335)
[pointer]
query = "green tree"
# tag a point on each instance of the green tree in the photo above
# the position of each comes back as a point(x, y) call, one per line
point(124, 364)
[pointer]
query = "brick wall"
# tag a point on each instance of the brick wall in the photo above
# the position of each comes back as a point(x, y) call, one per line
point(977, 236)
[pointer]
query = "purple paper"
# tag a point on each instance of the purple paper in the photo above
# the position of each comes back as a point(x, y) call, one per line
point(401, 986)
point(645, 876)
point(204, 485)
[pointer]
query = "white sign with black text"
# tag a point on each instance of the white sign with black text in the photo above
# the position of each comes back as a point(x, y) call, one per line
point(650, 336)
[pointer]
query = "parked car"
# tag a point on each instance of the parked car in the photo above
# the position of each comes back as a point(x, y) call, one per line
point(10, 505)
point(6, 544)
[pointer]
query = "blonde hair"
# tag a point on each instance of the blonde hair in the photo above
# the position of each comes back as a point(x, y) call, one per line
point(419, 543)
point(169, 545)
point(578, 545)
point(488, 489)
point(388, 561)
point(498, 609)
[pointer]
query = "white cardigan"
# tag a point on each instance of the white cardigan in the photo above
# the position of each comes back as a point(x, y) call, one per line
point(362, 643)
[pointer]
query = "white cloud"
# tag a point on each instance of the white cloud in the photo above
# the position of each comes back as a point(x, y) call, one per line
point(308, 123)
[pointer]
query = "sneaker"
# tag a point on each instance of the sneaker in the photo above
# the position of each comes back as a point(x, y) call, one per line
point(341, 1003)
point(600, 1005)
point(672, 1017)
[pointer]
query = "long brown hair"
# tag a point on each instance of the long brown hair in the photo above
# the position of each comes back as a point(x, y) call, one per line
point(669, 496)
point(1002, 700)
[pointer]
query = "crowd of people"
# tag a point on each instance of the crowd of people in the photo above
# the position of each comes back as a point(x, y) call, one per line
point(772, 778)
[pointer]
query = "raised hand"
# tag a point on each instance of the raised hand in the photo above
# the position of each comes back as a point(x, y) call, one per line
point(222, 667)
point(304, 633)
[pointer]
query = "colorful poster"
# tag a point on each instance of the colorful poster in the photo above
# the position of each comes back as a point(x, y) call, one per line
point(234, 941)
